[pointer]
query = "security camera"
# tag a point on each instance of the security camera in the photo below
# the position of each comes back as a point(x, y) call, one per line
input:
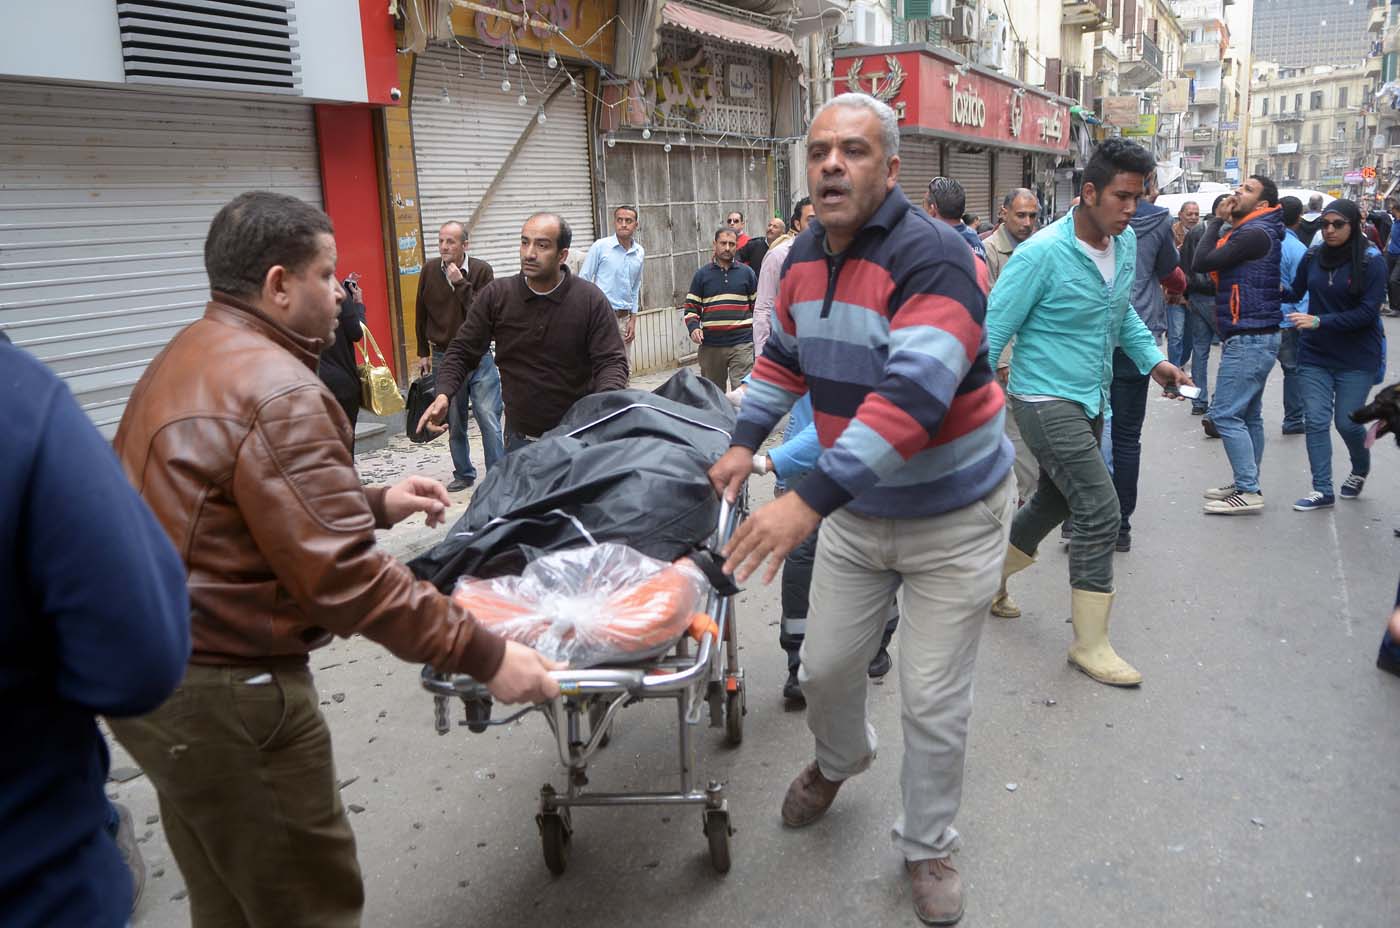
point(395, 94)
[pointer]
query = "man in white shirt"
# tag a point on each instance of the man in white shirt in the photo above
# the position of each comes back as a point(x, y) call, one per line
point(615, 265)
point(771, 272)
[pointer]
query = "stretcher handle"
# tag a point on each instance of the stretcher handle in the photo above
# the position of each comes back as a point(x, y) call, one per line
point(598, 678)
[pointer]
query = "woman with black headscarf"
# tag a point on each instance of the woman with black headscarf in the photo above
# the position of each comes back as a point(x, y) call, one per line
point(1339, 346)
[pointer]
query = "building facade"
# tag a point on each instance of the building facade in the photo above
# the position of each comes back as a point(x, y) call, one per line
point(1305, 33)
point(1313, 127)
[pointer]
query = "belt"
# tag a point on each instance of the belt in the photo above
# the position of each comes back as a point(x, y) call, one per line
point(1266, 330)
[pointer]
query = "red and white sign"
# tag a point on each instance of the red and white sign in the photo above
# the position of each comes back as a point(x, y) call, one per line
point(930, 92)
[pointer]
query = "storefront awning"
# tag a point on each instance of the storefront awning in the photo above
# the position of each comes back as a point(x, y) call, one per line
point(717, 27)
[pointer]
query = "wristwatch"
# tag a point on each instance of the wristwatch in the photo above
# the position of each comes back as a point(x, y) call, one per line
point(761, 464)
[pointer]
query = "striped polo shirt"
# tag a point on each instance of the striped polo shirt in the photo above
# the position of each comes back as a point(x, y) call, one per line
point(887, 338)
point(721, 302)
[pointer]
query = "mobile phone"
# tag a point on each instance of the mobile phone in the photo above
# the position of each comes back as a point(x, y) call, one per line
point(1190, 393)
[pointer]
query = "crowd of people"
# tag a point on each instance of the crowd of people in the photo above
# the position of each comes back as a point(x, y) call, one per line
point(946, 395)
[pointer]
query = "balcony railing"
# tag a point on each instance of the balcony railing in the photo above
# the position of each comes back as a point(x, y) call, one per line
point(1141, 65)
point(1206, 96)
point(1201, 53)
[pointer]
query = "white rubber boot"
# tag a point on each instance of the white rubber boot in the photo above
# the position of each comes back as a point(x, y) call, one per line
point(1004, 606)
point(1091, 651)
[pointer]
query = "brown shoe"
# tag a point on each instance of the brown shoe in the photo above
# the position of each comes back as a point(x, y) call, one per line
point(809, 796)
point(938, 898)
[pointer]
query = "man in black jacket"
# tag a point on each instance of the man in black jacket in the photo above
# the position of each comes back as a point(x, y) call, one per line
point(1200, 309)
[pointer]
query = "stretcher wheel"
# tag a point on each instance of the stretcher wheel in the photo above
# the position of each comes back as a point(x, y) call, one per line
point(478, 713)
point(734, 710)
point(717, 830)
point(596, 711)
point(555, 836)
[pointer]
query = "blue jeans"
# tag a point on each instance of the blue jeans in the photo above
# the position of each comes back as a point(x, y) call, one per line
point(1237, 410)
point(1179, 346)
point(1293, 407)
point(1201, 335)
point(1327, 393)
point(1128, 396)
point(482, 397)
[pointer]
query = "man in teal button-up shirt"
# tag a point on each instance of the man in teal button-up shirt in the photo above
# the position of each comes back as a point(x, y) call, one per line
point(1064, 297)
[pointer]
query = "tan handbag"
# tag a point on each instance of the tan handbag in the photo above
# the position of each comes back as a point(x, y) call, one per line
point(379, 393)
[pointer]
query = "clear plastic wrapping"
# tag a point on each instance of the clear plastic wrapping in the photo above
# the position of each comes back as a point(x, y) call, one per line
point(605, 604)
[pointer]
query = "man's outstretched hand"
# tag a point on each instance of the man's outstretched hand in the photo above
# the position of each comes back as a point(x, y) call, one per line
point(728, 474)
point(524, 676)
point(434, 416)
point(417, 494)
point(769, 535)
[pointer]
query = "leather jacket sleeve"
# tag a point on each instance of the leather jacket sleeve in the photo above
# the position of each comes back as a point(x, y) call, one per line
point(297, 489)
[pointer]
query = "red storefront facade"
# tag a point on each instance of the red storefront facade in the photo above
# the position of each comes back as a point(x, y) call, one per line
point(986, 131)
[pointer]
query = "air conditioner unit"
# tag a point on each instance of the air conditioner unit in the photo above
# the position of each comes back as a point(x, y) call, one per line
point(992, 44)
point(928, 9)
point(867, 25)
point(963, 29)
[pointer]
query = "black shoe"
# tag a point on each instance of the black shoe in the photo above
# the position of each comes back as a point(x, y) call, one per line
point(792, 690)
point(1210, 429)
point(1198, 410)
point(459, 484)
point(1065, 533)
point(880, 665)
point(1125, 542)
point(1386, 662)
point(1294, 429)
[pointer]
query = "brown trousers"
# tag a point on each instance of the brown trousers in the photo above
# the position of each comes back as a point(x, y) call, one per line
point(248, 799)
point(731, 362)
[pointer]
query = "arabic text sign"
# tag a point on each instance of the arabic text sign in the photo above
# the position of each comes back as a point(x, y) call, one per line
point(740, 81)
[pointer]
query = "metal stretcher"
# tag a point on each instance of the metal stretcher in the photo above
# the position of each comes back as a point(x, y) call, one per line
point(710, 677)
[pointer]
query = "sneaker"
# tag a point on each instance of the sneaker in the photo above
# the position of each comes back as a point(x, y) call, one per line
point(792, 690)
point(1198, 410)
point(1315, 500)
point(880, 665)
point(131, 852)
point(1065, 533)
point(1294, 429)
point(1351, 487)
point(1125, 542)
point(459, 484)
point(1210, 429)
point(1237, 505)
point(1221, 492)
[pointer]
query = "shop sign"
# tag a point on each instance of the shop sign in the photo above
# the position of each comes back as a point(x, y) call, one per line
point(944, 98)
point(582, 21)
point(1121, 111)
point(741, 81)
point(1146, 127)
point(1229, 127)
point(1353, 177)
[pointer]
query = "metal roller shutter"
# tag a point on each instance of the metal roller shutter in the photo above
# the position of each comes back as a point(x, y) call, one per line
point(475, 142)
point(972, 169)
point(920, 161)
point(1010, 174)
point(105, 201)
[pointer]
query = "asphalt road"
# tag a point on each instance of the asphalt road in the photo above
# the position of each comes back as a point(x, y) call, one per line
point(1253, 780)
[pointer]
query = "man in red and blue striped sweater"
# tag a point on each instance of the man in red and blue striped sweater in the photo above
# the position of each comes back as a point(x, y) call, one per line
point(879, 318)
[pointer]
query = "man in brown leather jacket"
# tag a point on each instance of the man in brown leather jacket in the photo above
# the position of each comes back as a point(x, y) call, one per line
point(244, 456)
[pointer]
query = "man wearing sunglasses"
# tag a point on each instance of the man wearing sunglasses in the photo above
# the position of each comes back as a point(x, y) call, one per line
point(1245, 264)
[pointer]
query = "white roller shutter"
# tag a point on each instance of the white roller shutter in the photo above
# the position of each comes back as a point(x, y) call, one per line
point(105, 200)
point(920, 161)
point(972, 169)
point(1010, 174)
point(463, 138)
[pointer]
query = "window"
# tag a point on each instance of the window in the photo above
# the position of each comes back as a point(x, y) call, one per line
point(1312, 168)
point(1261, 168)
point(1266, 106)
point(1292, 170)
point(1317, 133)
point(1341, 97)
point(1263, 138)
point(1298, 102)
point(1316, 102)
point(1282, 103)
point(1341, 130)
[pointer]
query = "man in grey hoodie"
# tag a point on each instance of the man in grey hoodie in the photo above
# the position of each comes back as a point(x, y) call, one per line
point(1157, 259)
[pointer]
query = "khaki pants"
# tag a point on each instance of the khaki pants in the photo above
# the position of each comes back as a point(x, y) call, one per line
point(248, 800)
point(728, 362)
point(947, 569)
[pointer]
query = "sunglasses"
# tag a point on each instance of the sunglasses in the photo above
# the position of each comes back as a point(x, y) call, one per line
point(1334, 224)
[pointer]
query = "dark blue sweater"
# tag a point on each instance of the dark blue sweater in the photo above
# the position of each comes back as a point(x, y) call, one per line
point(1348, 336)
point(94, 621)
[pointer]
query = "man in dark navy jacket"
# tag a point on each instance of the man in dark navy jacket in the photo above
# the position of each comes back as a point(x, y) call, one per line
point(95, 621)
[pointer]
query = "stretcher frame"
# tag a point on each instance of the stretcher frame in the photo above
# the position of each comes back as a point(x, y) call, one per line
point(711, 676)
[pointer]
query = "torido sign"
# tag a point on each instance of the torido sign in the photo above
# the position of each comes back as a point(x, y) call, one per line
point(936, 96)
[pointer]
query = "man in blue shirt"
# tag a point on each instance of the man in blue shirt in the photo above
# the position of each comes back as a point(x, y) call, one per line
point(615, 265)
point(945, 199)
point(1291, 253)
point(1392, 256)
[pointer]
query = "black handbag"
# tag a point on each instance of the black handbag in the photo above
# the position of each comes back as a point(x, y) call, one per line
point(421, 394)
